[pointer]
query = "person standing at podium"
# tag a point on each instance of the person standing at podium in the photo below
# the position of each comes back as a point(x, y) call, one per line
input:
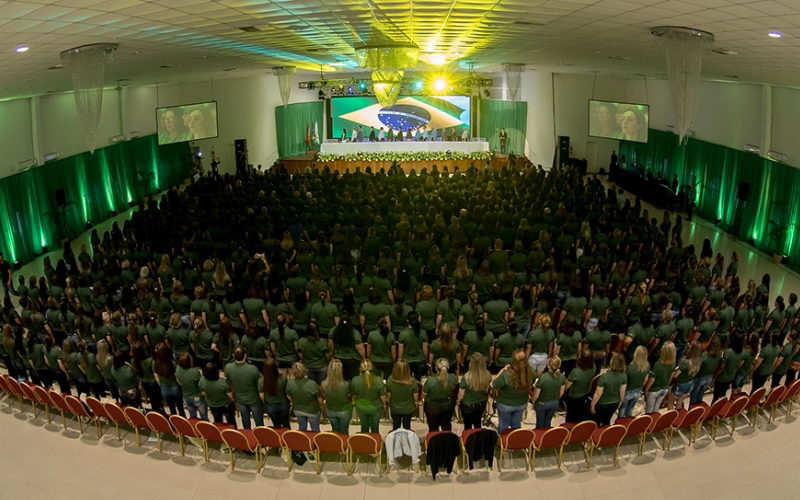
point(354, 135)
point(390, 136)
point(381, 135)
point(503, 140)
point(372, 134)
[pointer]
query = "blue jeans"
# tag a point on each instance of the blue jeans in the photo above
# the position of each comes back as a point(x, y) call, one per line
point(561, 297)
point(173, 397)
point(509, 416)
point(654, 400)
point(544, 412)
point(679, 351)
point(278, 413)
point(626, 408)
point(255, 409)
point(525, 330)
point(195, 406)
point(699, 388)
point(305, 419)
point(340, 420)
point(370, 420)
point(318, 374)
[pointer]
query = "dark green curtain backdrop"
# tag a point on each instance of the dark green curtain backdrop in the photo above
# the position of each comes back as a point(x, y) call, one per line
point(718, 170)
point(110, 179)
point(290, 126)
point(512, 115)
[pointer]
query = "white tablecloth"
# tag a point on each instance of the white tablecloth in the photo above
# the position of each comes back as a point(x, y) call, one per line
point(342, 148)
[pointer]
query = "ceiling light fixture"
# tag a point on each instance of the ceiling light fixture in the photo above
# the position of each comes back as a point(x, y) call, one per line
point(22, 48)
point(772, 34)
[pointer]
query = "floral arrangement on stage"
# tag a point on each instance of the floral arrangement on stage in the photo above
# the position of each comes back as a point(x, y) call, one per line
point(400, 156)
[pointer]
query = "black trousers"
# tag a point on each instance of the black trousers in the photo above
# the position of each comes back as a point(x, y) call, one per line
point(473, 415)
point(721, 389)
point(439, 416)
point(758, 382)
point(401, 420)
point(228, 412)
point(576, 409)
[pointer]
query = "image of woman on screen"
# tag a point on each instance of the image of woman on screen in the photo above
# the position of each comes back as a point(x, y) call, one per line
point(202, 123)
point(603, 121)
point(634, 124)
point(172, 128)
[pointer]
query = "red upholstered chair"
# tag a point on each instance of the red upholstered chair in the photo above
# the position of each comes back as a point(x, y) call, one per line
point(611, 435)
point(330, 442)
point(550, 437)
point(711, 412)
point(616, 345)
point(137, 420)
point(365, 443)
point(240, 440)
point(731, 409)
point(28, 393)
point(183, 428)
point(772, 402)
point(687, 419)
point(6, 389)
point(269, 437)
point(751, 408)
point(791, 393)
point(44, 399)
point(159, 424)
point(465, 434)
point(637, 427)
point(209, 433)
point(75, 406)
point(60, 404)
point(117, 415)
point(301, 441)
point(581, 432)
point(16, 390)
point(662, 422)
point(516, 439)
point(98, 412)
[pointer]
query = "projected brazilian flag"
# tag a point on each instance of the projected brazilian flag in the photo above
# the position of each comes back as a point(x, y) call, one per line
point(408, 112)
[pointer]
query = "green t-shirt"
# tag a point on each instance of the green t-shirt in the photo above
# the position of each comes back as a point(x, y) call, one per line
point(597, 340)
point(180, 340)
point(508, 394)
point(399, 321)
point(253, 309)
point(350, 351)
point(684, 376)
point(93, 373)
point(450, 314)
point(243, 379)
point(284, 348)
point(475, 343)
point(611, 382)
point(495, 314)
point(126, 378)
point(636, 377)
point(255, 347)
point(412, 345)
point(156, 334)
point(305, 395)
point(148, 370)
point(450, 355)
point(119, 334)
point(313, 352)
point(581, 382)
point(372, 313)
point(468, 323)
point(202, 344)
point(506, 345)
point(684, 327)
point(401, 401)
point(325, 316)
point(471, 396)
point(280, 390)
point(706, 329)
point(709, 365)
point(427, 310)
point(575, 307)
point(569, 346)
point(661, 374)
point(367, 398)
point(748, 358)
point(436, 392)
point(549, 386)
point(216, 392)
point(521, 315)
point(381, 347)
point(787, 354)
point(663, 333)
point(189, 379)
point(599, 307)
point(731, 359)
point(540, 340)
point(337, 400)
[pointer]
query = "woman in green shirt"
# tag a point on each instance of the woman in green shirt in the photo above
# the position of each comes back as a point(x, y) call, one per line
point(413, 346)
point(708, 367)
point(495, 312)
point(472, 391)
point(402, 391)
point(732, 360)
point(178, 338)
point(684, 375)
point(568, 344)
point(337, 398)
point(547, 392)
point(165, 368)
point(610, 391)
point(223, 343)
point(127, 380)
point(748, 357)
point(283, 342)
point(469, 312)
point(314, 353)
point(540, 344)
point(522, 310)
point(345, 345)
point(305, 397)
point(218, 394)
point(448, 310)
point(201, 342)
point(507, 344)
point(255, 346)
point(273, 391)
point(369, 394)
point(382, 349)
point(477, 340)
point(447, 347)
point(397, 314)
point(513, 384)
point(428, 310)
point(657, 385)
point(440, 402)
point(784, 359)
point(578, 387)
point(637, 373)
point(144, 364)
point(189, 379)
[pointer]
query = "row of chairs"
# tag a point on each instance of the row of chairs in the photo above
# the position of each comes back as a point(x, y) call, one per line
point(530, 441)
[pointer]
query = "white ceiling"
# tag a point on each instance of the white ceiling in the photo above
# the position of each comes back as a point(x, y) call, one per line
point(202, 38)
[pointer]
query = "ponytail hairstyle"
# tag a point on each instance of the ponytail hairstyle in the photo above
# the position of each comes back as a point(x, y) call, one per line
point(554, 366)
point(446, 338)
point(384, 329)
point(473, 303)
point(251, 330)
point(543, 322)
point(81, 348)
point(512, 328)
point(780, 304)
point(312, 332)
point(281, 322)
point(31, 340)
point(526, 293)
point(175, 321)
point(480, 327)
point(442, 367)
point(66, 349)
point(413, 323)
point(451, 295)
point(366, 371)
point(693, 354)
point(198, 328)
point(399, 302)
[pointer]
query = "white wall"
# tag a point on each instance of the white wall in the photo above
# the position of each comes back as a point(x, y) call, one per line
point(537, 90)
point(16, 141)
point(786, 123)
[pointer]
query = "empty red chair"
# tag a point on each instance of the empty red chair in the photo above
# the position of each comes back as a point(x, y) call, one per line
point(27, 392)
point(269, 437)
point(6, 389)
point(611, 435)
point(516, 439)
point(662, 422)
point(137, 420)
point(637, 427)
point(365, 443)
point(16, 390)
point(791, 395)
point(688, 419)
point(711, 412)
point(330, 442)
point(44, 399)
point(731, 409)
point(551, 437)
point(159, 424)
point(299, 441)
point(772, 402)
point(60, 404)
point(76, 407)
point(209, 433)
point(98, 412)
point(752, 404)
point(117, 416)
point(240, 440)
point(581, 432)
point(183, 428)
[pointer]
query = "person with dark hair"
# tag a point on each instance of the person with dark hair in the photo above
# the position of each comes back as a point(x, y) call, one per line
point(345, 345)
point(165, 372)
point(477, 341)
point(243, 378)
point(413, 346)
point(381, 348)
point(749, 353)
point(711, 360)
point(276, 404)
point(314, 353)
point(219, 395)
point(732, 360)
point(127, 380)
point(283, 343)
point(578, 387)
point(188, 378)
point(784, 360)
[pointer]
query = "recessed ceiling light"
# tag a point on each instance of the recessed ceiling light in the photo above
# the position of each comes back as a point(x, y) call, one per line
point(22, 48)
point(775, 34)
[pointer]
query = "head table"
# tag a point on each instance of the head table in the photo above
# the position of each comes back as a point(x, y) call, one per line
point(343, 148)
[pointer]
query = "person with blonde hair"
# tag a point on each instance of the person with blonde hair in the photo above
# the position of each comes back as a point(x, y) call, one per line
point(445, 346)
point(539, 346)
point(402, 391)
point(338, 407)
point(305, 398)
point(547, 392)
point(610, 391)
point(513, 383)
point(685, 374)
point(660, 375)
point(221, 279)
point(637, 373)
point(369, 395)
point(439, 401)
point(472, 391)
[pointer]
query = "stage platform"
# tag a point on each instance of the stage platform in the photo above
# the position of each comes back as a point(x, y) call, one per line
point(343, 148)
point(298, 164)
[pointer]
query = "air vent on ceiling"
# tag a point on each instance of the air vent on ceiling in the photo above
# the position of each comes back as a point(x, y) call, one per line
point(776, 156)
point(529, 23)
point(752, 149)
point(732, 76)
point(169, 66)
point(57, 66)
point(724, 52)
point(250, 29)
point(620, 58)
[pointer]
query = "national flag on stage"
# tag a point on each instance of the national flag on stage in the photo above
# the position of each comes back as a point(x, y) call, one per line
point(308, 136)
point(315, 137)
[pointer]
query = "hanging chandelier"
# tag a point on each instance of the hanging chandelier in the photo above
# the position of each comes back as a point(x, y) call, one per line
point(388, 62)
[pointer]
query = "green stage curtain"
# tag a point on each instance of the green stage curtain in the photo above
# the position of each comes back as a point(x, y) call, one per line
point(295, 122)
point(512, 115)
point(718, 170)
point(95, 184)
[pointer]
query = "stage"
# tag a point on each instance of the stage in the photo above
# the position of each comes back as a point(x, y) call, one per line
point(343, 148)
point(298, 164)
